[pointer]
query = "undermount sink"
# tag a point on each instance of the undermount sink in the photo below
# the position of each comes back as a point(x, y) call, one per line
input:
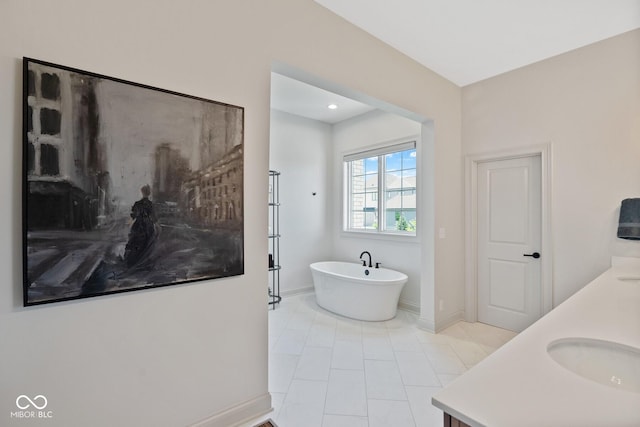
point(609, 363)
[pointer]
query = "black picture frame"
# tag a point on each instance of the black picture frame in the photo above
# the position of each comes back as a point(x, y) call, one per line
point(126, 186)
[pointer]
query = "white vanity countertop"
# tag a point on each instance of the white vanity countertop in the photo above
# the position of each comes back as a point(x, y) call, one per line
point(520, 385)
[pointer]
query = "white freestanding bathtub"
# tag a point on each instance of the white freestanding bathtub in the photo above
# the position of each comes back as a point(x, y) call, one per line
point(358, 292)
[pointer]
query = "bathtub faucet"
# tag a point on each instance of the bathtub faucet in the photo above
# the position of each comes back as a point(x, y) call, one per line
point(364, 263)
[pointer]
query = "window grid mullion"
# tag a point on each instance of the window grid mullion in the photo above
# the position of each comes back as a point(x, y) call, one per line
point(381, 200)
point(350, 192)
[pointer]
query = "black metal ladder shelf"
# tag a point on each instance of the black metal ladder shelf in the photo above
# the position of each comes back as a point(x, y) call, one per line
point(274, 238)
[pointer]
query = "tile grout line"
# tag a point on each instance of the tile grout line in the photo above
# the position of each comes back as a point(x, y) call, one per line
point(357, 331)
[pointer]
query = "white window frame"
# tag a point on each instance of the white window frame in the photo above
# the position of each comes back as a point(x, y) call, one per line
point(377, 151)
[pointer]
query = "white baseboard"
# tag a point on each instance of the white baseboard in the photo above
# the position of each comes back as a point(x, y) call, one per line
point(451, 319)
point(297, 291)
point(426, 325)
point(239, 414)
point(409, 306)
point(402, 304)
point(442, 324)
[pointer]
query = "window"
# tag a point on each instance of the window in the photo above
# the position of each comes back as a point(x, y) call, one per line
point(380, 190)
point(44, 123)
point(31, 86)
point(50, 86)
point(30, 119)
point(49, 163)
point(31, 158)
point(50, 121)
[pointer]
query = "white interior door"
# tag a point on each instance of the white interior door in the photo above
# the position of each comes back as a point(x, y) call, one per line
point(509, 237)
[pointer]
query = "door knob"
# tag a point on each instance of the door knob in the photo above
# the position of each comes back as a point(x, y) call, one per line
point(535, 255)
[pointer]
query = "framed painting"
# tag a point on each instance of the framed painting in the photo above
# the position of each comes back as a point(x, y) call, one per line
point(126, 186)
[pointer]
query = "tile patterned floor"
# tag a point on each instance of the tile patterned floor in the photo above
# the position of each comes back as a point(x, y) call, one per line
point(329, 371)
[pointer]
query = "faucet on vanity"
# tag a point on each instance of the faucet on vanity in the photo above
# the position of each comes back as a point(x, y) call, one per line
point(364, 263)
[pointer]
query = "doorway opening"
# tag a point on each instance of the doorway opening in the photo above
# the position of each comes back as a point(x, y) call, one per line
point(308, 151)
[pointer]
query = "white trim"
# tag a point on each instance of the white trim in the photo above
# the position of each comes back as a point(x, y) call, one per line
point(471, 226)
point(380, 151)
point(381, 235)
point(409, 306)
point(298, 291)
point(403, 304)
point(239, 414)
point(450, 320)
point(381, 145)
point(426, 325)
point(443, 324)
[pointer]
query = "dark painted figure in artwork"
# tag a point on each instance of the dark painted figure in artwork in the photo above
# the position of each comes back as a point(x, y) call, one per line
point(143, 230)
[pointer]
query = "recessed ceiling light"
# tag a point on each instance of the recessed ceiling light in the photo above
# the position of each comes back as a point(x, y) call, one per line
point(332, 106)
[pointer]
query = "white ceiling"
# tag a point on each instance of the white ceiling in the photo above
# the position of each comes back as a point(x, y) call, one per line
point(464, 41)
point(295, 97)
point(467, 41)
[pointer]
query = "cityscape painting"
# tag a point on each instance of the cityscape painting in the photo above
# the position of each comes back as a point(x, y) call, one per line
point(126, 186)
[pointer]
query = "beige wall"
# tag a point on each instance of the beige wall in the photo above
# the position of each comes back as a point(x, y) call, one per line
point(176, 355)
point(180, 354)
point(586, 104)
